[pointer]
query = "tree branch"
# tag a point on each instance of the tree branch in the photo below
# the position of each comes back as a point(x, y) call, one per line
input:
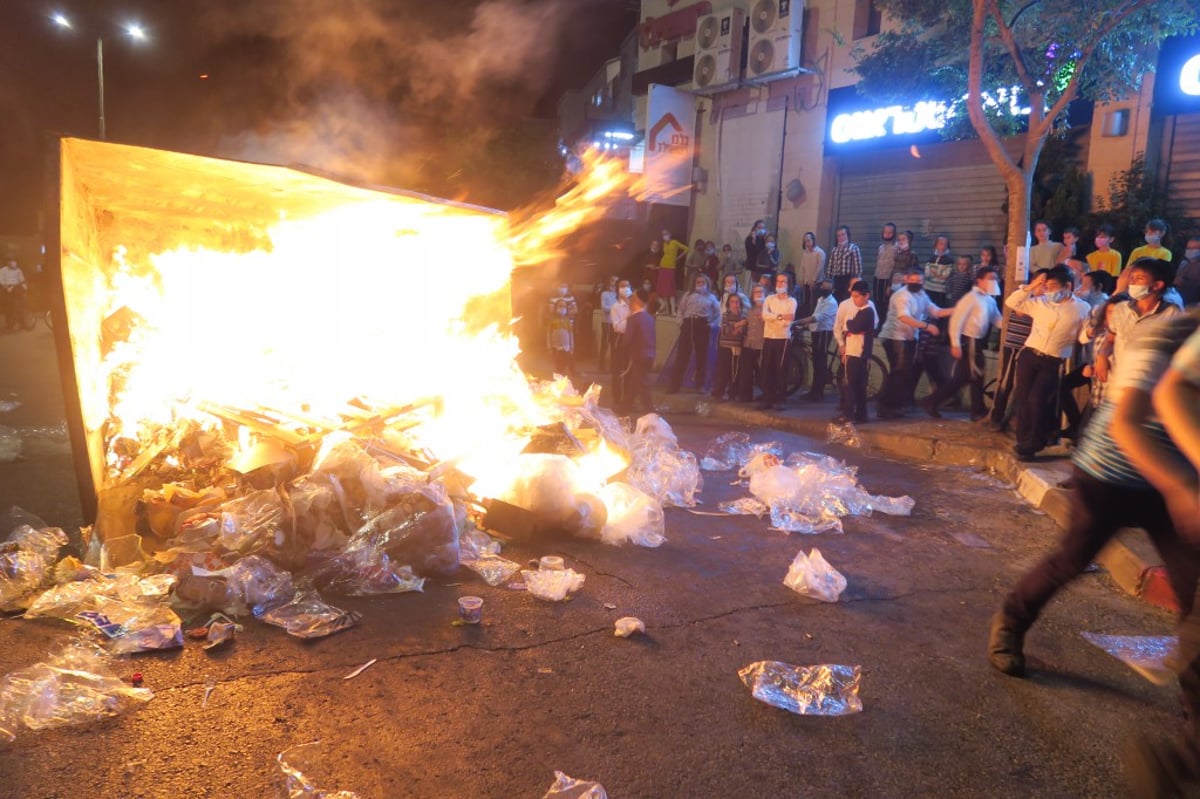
point(992, 7)
point(983, 128)
point(1012, 22)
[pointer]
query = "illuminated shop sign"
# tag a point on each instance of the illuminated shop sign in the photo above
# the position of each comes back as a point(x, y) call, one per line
point(900, 121)
point(1189, 77)
point(1177, 80)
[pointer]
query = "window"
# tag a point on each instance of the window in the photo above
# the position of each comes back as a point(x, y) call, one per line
point(1116, 123)
point(669, 52)
point(867, 19)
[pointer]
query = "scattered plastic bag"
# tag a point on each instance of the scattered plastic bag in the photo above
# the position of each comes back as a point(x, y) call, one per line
point(7, 406)
point(633, 516)
point(1146, 654)
point(659, 467)
point(66, 601)
point(299, 764)
point(10, 444)
point(845, 434)
point(480, 553)
point(627, 626)
point(552, 585)
point(27, 560)
point(565, 787)
point(418, 530)
point(893, 506)
point(826, 690)
point(73, 686)
point(134, 626)
point(728, 451)
point(811, 575)
point(746, 506)
point(308, 616)
point(252, 523)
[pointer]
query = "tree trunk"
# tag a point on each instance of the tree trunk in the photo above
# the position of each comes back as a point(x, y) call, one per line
point(1020, 192)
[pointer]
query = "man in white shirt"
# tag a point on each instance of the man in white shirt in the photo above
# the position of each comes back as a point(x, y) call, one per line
point(12, 290)
point(821, 325)
point(974, 316)
point(909, 312)
point(779, 311)
point(618, 315)
point(608, 298)
point(1057, 317)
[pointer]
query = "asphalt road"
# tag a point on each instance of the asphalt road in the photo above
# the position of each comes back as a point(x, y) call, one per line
point(492, 711)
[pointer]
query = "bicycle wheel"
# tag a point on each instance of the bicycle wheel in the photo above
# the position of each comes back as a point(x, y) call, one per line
point(876, 374)
point(795, 369)
point(47, 319)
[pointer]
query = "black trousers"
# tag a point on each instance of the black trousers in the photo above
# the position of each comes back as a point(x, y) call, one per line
point(968, 371)
point(1005, 383)
point(726, 377)
point(606, 339)
point(693, 339)
point(841, 286)
point(748, 374)
point(635, 391)
point(619, 362)
point(774, 352)
point(820, 357)
point(899, 386)
point(854, 398)
point(1066, 399)
point(1037, 403)
point(880, 294)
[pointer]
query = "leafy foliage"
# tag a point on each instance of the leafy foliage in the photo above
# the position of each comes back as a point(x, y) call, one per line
point(1134, 196)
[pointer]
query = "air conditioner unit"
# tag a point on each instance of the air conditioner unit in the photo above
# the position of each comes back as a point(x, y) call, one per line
point(775, 35)
point(719, 48)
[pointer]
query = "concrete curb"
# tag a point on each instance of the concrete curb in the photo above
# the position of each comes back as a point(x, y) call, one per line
point(950, 442)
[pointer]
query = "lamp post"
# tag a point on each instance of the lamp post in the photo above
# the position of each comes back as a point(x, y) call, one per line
point(132, 30)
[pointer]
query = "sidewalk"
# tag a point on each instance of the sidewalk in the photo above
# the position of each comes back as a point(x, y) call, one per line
point(955, 441)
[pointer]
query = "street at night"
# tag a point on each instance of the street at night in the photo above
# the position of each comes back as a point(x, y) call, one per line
point(495, 710)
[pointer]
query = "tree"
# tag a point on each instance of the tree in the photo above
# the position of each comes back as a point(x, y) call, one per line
point(1052, 51)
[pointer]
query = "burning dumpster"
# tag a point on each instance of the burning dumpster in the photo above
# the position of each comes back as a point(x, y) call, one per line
point(262, 362)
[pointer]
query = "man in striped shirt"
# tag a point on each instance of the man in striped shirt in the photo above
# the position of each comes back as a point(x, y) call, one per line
point(844, 264)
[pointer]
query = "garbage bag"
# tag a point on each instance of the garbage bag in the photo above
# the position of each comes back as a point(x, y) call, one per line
point(825, 690)
point(653, 430)
point(552, 585)
point(301, 770)
point(419, 530)
point(308, 616)
point(26, 561)
point(252, 523)
point(73, 686)
point(320, 521)
point(667, 473)
point(811, 575)
point(633, 516)
point(565, 787)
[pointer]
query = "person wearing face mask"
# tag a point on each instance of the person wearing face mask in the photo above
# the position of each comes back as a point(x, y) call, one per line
point(779, 311)
point(1044, 254)
point(810, 269)
point(1104, 257)
point(1058, 315)
point(1093, 288)
point(608, 298)
point(1151, 297)
point(749, 363)
point(1081, 376)
point(695, 262)
point(618, 315)
point(653, 306)
point(854, 332)
point(885, 259)
point(904, 260)
point(756, 242)
point(670, 277)
point(730, 289)
point(728, 266)
point(908, 319)
point(821, 324)
point(699, 313)
point(845, 264)
point(974, 316)
point(1070, 243)
point(640, 348)
point(1154, 233)
point(729, 349)
point(563, 294)
point(1187, 275)
point(938, 269)
point(768, 257)
point(562, 340)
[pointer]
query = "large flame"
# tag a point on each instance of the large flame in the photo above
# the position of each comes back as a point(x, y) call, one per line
point(293, 334)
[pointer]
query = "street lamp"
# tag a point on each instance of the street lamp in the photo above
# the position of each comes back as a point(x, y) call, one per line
point(134, 31)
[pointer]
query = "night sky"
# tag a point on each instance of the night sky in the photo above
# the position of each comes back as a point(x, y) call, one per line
point(424, 95)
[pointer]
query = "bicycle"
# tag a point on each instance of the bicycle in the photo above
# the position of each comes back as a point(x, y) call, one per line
point(16, 312)
point(798, 367)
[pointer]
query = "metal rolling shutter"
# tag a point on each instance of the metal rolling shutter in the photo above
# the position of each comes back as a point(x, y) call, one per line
point(965, 202)
point(1183, 164)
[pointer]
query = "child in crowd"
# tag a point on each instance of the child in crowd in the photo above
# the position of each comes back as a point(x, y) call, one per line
point(1104, 258)
point(562, 339)
point(729, 349)
point(961, 279)
point(856, 341)
point(747, 372)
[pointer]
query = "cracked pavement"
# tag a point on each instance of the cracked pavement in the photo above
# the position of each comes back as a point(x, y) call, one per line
point(493, 710)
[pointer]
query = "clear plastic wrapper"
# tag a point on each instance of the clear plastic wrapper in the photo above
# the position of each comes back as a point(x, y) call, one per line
point(26, 561)
point(552, 585)
point(746, 506)
point(661, 469)
point(728, 451)
point(320, 522)
point(10, 444)
point(653, 430)
point(252, 523)
point(494, 569)
point(845, 434)
point(308, 616)
point(67, 600)
point(565, 787)
point(134, 626)
point(419, 530)
point(301, 770)
point(811, 576)
point(73, 686)
point(893, 506)
point(633, 516)
point(627, 626)
point(361, 571)
point(825, 690)
point(8, 406)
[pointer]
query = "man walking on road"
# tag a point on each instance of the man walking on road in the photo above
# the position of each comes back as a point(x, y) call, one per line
point(974, 316)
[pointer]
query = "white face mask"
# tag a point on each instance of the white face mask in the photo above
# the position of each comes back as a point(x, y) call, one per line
point(562, 291)
point(1139, 292)
point(781, 289)
point(1059, 296)
point(1153, 239)
point(1191, 255)
point(625, 292)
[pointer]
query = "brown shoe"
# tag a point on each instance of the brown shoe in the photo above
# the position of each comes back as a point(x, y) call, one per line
point(1006, 646)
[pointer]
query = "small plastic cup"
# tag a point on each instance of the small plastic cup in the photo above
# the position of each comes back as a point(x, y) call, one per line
point(470, 609)
point(551, 563)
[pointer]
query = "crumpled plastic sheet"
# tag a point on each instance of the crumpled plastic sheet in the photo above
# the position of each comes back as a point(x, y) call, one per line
point(633, 516)
point(10, 444)
point(825, 690)
point(421, 533)
point(812, 576)
point(659, 467)
point(627, 626)
point(253, 522)
point(565, 787)
point(734, 450)
point(1146, 654)
point(745, 506)
point(298, 764)
point(845, 434)
point(480, 553)
point(73, 686)
point(308, 616)
point(27, 558)
point(810, 493)
point(134, 626)
point(552, 585)
point(67, 600)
